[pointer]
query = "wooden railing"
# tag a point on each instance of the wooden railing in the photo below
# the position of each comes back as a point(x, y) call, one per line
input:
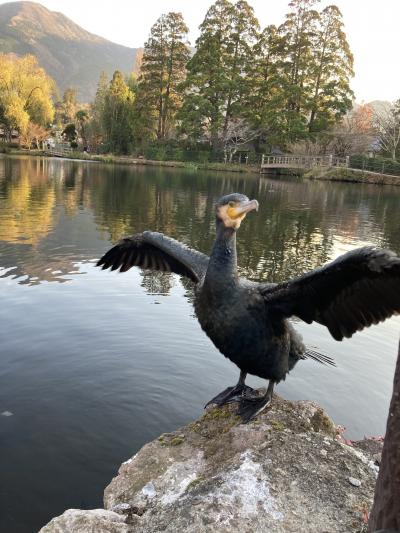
point(59, 151)
point(303, 161)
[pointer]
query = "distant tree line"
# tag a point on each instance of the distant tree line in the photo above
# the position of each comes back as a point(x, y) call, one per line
point(285, 87)
point(273, 86)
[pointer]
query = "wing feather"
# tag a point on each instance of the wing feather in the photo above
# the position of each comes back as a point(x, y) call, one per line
point(155, 251)
point(356, 290)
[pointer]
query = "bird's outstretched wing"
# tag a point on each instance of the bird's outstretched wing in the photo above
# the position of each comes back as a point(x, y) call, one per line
point(155, 251)
point(359, 288)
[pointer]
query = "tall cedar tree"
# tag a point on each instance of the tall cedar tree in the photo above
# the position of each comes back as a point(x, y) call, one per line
point(205, 94)
point(285, 83)
point(266, 101)
point(331, 96)
point(243, 35)
point(217, 82)
point(163, 69)
point(117, 115)
point(99, 103)
point(316, 65)
point(298, 57)
point(94, 128)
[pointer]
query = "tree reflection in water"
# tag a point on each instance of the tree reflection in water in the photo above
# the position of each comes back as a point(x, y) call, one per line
point(55, 214)
point(93, 369)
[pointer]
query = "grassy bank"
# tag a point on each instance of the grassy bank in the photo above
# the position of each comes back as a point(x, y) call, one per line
point(352, 175)
point(331, 174)
point(126, 160)
point(219, 167)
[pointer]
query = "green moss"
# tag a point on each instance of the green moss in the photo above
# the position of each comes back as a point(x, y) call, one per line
point(277, 426)
point(194, 426)
point(320, 421)
point(171, 440)
point(193, 484)
point(176, 441)
point(217, 413)
point(215, 421)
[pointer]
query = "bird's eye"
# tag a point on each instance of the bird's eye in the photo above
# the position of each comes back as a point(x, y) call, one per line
point(231, 204)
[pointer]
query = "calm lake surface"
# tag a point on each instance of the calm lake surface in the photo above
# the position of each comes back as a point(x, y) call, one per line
point(94, 364)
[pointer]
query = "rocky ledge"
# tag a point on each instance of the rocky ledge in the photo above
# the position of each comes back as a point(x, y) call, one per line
point(287, 471)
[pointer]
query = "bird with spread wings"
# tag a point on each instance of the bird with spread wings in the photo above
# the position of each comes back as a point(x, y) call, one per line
point(248, 321)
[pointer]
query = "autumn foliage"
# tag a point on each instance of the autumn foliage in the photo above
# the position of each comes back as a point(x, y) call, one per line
point(25, 94)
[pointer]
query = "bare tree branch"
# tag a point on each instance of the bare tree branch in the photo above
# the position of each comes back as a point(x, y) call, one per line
point(238, 133)
point(387, 125)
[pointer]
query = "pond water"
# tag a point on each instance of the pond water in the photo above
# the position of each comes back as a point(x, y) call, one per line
point(94, 364)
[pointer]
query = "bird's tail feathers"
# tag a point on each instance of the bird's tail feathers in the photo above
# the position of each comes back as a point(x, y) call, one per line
point(319, 357)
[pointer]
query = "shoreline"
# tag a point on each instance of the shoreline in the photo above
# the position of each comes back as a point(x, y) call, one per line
point(127, 160)
point(346, 175)
point(352, 175)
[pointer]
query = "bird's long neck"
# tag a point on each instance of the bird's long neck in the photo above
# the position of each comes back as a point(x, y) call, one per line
point(222, 267)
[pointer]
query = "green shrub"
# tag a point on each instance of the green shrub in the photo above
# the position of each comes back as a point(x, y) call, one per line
point(172, 151)
point(176, 154)
point(5, 148)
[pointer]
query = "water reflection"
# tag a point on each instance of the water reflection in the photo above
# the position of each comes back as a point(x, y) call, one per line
point(92, 369)
point(54, 214)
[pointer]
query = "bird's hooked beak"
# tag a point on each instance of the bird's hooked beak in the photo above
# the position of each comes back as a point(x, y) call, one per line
point(242, 209)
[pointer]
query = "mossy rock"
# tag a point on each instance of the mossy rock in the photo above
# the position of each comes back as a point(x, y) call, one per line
point(168, 439)
point(195, 483)
point(277, 426)
point(321, 422)
point(176, 441)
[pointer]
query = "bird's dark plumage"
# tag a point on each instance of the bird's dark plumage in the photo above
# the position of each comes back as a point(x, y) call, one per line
point(358, 289)
point(248, 321)
point(154, 251)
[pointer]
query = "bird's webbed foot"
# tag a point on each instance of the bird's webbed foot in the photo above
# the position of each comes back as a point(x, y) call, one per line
point(252, 404)
point(231, 394)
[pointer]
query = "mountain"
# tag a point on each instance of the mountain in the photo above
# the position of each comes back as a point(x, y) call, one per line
point(71, 55)
point(378, 106)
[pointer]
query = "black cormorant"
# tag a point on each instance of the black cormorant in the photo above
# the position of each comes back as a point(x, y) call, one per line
point(248, 321)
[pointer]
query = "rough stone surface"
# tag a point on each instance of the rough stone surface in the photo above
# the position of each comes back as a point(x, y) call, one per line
point(96, 520)
point(285, 472)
